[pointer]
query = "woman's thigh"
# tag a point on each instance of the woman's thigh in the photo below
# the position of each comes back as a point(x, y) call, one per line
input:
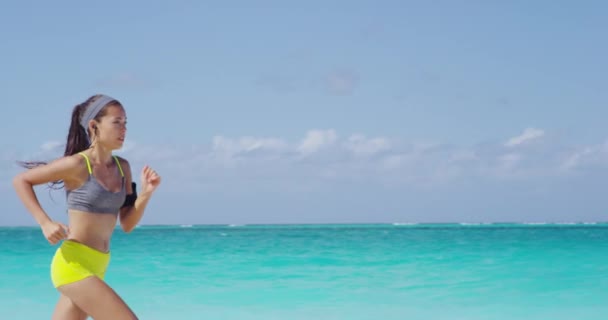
point(93, 296)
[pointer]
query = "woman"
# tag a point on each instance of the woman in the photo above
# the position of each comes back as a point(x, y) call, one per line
point(99, 192)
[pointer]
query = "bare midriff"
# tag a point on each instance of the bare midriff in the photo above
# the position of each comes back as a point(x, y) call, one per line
point(92, 229)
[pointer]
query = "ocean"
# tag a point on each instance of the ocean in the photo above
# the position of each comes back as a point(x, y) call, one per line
point(371, 271)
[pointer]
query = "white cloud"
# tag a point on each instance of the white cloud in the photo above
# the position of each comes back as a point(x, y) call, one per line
point(329, 157)
point(48, 150)
point(315, 140)
point(246, 144)
point(321, 154)
point(529, 134)
point(585, 157)
point(574, 159)
point(363, 146)
point(52, 146)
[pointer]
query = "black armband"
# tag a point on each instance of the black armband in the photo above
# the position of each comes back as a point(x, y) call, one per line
point(130, 199)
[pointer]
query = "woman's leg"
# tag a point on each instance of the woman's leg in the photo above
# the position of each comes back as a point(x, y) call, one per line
point(67, 310)
point(93, 296)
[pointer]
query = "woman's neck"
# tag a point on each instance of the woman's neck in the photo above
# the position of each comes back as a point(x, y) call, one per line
point(100, 155)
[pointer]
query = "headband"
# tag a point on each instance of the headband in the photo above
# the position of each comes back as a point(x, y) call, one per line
point(93, 109)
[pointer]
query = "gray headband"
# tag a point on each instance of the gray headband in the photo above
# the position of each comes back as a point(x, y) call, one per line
point(93, 109)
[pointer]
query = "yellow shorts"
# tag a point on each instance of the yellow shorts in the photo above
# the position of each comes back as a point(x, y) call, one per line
point(75, 261)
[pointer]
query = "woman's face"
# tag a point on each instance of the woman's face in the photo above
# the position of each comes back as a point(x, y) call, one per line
point(112, 127)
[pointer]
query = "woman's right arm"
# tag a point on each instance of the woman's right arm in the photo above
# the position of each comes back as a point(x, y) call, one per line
point(63, 169)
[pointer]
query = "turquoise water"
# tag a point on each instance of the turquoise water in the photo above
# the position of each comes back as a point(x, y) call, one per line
point(498, 271)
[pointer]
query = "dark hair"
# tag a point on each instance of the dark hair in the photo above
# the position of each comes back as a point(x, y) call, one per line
point(77, 139)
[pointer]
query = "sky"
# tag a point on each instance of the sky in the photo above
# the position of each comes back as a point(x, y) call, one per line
point(322, 111)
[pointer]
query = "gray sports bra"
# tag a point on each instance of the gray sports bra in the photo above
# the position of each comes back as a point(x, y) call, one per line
point(93, 197)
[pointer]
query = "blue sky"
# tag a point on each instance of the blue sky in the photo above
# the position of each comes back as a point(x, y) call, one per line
point(318, 111)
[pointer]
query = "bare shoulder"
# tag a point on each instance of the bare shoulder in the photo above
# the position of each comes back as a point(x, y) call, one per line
point(125, 165)
point(71, 163)
point(66, 169)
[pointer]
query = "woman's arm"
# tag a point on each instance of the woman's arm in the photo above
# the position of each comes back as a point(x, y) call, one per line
point(131, 215)
point(61, 169)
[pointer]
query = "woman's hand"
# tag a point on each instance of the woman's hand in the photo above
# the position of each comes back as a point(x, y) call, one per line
point(54, 231)
point(150, 180)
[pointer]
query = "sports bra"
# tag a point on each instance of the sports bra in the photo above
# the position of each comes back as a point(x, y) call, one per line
point(93, 197)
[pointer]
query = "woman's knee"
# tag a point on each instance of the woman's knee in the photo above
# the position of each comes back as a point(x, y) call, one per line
point(66, 309)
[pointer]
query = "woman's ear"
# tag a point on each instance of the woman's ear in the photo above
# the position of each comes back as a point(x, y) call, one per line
point(93, 125)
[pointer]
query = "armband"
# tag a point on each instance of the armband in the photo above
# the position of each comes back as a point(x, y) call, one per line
point(130, 199)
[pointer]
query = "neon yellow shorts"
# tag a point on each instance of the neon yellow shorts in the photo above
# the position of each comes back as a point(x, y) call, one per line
point(75, 261)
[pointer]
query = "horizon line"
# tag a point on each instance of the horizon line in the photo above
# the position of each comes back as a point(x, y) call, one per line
point(400, 224)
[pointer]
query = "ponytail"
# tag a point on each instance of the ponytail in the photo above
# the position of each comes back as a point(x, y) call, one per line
point(77, 140)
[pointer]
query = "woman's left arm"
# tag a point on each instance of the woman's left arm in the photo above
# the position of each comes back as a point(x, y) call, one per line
point(135, 205)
